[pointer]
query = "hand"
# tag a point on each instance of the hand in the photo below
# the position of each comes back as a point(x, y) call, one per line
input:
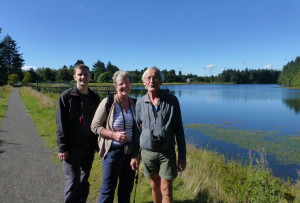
point(181, 165)
point(134, 164)
point(121, 137)
point(63, 156)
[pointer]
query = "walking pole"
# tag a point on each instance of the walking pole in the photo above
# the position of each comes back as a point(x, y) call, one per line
point(137, 175)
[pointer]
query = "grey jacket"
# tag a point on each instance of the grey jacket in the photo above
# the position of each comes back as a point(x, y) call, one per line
point(102, 120)
point(159, 131)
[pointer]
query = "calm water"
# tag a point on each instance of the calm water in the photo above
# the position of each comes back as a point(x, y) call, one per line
point(262, 107)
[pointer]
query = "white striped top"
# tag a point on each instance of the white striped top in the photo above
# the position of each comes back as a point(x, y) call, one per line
point(118, 122)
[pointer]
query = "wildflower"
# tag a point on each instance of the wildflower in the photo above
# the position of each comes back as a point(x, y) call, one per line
point(250, 157)
point(298, 172)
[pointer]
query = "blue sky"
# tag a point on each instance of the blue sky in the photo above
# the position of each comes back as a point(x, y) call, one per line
point(201, 37)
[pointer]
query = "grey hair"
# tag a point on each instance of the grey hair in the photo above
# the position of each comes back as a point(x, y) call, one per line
point(160, 75)
point(120, 75)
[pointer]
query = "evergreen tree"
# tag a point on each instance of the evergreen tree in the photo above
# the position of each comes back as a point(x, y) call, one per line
point(11, 60)
point(98, 68)
point(111, 68)
point(289, 75)
point(78, 62)
point(33, 75)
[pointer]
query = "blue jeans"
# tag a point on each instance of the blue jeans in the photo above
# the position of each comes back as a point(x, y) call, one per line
point(77, 171)
point(116, 165)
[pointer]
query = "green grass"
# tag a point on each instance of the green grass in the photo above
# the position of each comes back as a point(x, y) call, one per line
point(4, 93)
point(43, 111)
point(207, 178)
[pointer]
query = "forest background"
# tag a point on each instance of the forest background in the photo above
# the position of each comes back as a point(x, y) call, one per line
point(11, 63)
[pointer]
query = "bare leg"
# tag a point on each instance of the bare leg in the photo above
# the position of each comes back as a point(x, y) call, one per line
point(167, 190)
point(156, 192)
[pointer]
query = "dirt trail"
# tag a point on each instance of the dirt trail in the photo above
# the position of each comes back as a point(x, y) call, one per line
point(27, 170)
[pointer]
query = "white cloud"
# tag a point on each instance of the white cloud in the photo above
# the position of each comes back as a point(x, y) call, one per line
point(210, 66)
point(222, 69)
point(28, 68)
point(269, 66)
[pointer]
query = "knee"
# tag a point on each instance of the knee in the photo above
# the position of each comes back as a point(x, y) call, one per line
point(167, 189)
point(155, 182)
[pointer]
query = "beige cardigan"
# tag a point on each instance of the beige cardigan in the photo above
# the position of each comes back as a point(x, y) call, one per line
point(99, 122)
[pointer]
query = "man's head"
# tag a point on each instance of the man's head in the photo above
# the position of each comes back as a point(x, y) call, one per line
point(153, 78)
point(81, 75)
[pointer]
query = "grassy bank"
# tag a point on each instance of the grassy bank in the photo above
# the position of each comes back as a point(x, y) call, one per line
point(4, 93)
point(207, 178)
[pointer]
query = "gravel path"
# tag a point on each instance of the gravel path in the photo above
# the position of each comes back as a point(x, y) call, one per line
point(27, 170)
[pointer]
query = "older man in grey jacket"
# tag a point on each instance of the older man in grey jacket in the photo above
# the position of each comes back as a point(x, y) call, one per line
point(159, 117)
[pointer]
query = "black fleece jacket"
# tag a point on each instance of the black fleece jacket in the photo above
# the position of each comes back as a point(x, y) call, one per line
point(74, 116)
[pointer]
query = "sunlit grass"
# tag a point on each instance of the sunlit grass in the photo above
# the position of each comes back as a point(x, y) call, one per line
point(43, 112)
point(209, 177)
point(5, 91)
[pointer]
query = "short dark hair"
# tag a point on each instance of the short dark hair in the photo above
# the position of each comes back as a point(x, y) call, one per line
point(81, 67)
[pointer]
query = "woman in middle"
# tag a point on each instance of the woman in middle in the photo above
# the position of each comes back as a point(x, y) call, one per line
point(116, 128)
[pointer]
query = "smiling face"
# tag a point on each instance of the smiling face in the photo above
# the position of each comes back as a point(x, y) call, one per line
point(82, 77)
point(152, 80)
point(123, 86)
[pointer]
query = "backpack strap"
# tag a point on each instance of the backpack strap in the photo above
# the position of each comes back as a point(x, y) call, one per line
point(110, 101)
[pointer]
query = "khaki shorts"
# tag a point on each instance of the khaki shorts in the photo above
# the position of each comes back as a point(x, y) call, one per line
point(162, 163)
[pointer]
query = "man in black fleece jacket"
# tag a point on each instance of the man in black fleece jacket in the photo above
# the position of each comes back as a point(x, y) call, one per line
point(76, 143)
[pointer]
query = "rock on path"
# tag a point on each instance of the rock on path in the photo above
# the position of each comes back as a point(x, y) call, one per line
point(27, 170)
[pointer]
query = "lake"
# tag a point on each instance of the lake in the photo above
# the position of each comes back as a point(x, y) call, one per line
point(233, 119)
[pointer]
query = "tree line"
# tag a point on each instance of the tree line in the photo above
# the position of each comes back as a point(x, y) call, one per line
point(11, 63)
point(290, 74)
point(102, 73)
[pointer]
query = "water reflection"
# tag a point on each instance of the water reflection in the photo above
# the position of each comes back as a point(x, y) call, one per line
point(246, 107)
point(293, 104)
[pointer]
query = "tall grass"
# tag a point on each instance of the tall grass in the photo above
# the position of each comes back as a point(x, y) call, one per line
point(208, 176)
point(4, 93)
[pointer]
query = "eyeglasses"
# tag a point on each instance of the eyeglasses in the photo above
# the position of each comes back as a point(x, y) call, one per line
point(123, 83)
point(154, 79)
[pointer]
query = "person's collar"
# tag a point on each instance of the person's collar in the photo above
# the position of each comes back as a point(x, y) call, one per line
point(75, 91)
point(161, 93)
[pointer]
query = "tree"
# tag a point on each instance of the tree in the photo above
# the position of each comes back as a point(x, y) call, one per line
point(12, 79)
point(98, 68)
point(136, 76)
point(46, 74)
point(11, 60)
point(71, 68)
point(105, 77)
point(289, 74)
point(78, 62)
point(33, 74)
point(27, 78)
point(111, 68)
point(63, 74)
